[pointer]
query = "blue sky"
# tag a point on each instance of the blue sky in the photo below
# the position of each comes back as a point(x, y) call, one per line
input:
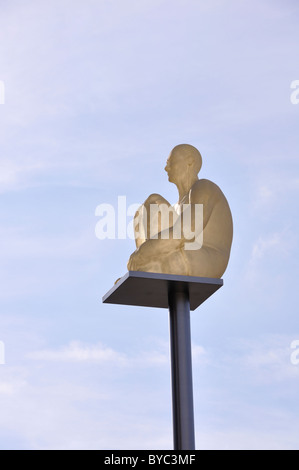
point(97, 93)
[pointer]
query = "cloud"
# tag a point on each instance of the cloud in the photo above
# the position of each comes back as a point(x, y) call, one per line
point(7, 388)
point(271, 190)
point(64, 107)
point(199, 354)
point(67, 402)
point(270, 256)
point(93, 98)
point(78, 352)
point(272, 244)
point(261, 437)
point(16, 174)
point(269, 359)
point(18, 243)
point(80, 407)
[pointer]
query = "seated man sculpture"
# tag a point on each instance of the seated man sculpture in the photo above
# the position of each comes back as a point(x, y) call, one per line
point(166, 243)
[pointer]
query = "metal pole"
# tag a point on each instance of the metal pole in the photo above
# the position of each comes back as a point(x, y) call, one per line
point(181, 370)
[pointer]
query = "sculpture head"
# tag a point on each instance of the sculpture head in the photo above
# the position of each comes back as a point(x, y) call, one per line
point(183, 164)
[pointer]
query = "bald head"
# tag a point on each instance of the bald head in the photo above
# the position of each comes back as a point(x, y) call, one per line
point(190, 155)
point(184, 163)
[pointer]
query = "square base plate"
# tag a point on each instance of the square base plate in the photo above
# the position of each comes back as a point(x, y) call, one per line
point(152, 289)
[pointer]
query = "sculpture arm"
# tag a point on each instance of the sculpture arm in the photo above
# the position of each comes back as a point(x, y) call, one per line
point(201, 193)
point(193, 219)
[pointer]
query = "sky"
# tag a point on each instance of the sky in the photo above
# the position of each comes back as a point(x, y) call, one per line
point(97, 93)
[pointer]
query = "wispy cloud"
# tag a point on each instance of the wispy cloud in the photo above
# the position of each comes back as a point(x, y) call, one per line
point(269, 358)
point(94, 99)
point(78, 352)
point(18, 243)
point(272, 245)
point(70, 409)
point(271, 190)
point(11, 387)
point(15, 175)
point(268, 252)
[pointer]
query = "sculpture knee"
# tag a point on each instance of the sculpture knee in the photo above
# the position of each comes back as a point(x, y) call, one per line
point(154, 198)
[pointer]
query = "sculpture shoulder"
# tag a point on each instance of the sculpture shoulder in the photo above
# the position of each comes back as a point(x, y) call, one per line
point(203, 190)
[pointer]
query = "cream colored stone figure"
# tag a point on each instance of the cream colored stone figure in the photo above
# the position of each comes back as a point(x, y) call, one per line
point(167, 253)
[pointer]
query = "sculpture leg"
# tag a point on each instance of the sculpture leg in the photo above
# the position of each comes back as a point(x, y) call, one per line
point(147, 222)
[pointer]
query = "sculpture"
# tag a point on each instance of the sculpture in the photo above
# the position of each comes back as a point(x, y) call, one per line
point(164, 244)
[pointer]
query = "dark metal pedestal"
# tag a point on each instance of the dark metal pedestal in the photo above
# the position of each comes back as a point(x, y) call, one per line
point(180, 294)
point(181, 371)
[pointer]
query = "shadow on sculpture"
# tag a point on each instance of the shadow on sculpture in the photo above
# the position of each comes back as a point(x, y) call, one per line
point(194, 236)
